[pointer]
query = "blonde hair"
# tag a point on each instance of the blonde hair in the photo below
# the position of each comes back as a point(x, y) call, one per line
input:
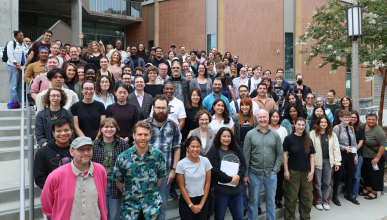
point(89, 50)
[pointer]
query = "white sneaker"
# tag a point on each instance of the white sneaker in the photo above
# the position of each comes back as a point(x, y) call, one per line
point(319, 207)
point(326, 206)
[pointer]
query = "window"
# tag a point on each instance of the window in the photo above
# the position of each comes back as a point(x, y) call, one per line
point(211, 42)
point(106, 33)
point(289, 56)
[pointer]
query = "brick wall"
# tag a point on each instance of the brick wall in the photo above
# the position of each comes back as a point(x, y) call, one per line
point(137, 33)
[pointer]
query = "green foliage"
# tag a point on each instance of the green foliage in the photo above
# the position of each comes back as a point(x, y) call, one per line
point(328, 34)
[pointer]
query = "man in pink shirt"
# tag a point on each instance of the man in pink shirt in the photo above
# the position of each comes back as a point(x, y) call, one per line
point(76, 190)
point(52, 63)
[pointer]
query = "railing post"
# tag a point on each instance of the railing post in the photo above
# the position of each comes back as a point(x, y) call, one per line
point(31, 174)
point(22, 168)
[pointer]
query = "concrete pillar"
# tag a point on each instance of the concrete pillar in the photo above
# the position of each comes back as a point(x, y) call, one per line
point(298, 29)
point(76, 21)
point(156, 41)
point(9, 22)
point(221, 27)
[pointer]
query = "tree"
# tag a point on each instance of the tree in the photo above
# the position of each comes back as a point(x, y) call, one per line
point(328, 32)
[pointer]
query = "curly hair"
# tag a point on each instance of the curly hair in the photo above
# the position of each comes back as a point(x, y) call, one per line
point(76, 77)
point(218, 144)
point(151, 69)
point(316, 127)
point(200, 113)
point(92, 67)
point(304, 113)
point(89, 50)
point(106, 121)
point(250, 116)
point(314, 117)
point(119, 58)
point(46, 97)
point(98, 90)
point(225, 113)
point(287, 110)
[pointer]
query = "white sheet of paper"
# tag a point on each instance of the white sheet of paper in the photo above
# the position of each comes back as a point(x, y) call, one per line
point(354, 150)
point(230, 169)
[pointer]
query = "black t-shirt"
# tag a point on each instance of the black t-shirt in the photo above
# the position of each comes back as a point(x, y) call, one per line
point(135, 61)
point(190, 124)
point(89, 117)
point(92, 59)
point(70, 85)
point(153, 90)
point(281, 93)
point(360, 136)
point(325, 145)
point(243, 131)
point(297, 159)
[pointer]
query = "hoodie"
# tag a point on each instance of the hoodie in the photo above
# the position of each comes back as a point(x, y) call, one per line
point(47, 159)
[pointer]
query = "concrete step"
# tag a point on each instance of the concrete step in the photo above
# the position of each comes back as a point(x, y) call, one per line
point(9, 191)
point(14, 130)
point(12, 141)
point(13, 121)
point(13, 153)
point(5, 112)
point(10, 210)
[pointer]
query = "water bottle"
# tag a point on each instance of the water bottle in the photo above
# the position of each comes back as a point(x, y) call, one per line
point(375, 167)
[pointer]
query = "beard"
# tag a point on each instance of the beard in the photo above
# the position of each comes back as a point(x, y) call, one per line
point(160, 117)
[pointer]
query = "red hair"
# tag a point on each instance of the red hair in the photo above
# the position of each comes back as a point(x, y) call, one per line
point(250, 116)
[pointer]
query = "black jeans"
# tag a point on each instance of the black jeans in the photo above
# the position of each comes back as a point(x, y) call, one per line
point(187, 214)
point(347, 163)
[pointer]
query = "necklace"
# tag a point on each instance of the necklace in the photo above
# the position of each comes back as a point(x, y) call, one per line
point(54, 117)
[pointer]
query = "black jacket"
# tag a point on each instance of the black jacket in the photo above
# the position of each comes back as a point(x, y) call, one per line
point(305, 90)
point(216, 174)
point(43, 125)
point(155, 62)
point(47, 159)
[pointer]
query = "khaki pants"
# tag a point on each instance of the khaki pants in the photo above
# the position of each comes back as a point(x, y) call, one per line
point(298, 187)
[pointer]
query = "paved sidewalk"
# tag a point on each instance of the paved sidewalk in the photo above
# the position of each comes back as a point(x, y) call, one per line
point(367, 210)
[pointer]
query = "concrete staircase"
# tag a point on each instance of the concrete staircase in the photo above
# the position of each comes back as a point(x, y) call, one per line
point(10, 166)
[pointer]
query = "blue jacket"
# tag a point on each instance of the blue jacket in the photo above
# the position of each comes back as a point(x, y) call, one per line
point(129, 62)
point(210, 99)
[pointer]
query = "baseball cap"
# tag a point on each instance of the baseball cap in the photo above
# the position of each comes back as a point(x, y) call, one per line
point(175, 58)
point(81, 141)
point(172, 45)
point(43, 48)
point(148, 64)
point(153, 48)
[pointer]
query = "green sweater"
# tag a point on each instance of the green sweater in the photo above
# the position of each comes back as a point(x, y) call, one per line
point(374, 138)
point(263, 152)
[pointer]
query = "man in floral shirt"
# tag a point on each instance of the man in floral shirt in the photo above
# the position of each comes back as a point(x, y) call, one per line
point(138, 172)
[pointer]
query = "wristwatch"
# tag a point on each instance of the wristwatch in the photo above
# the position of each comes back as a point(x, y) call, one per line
point(190, 205)
point(174, 169)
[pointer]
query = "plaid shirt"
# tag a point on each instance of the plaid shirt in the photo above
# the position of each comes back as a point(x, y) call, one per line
point(159, 80)
point(165, 140)
point(99, 156)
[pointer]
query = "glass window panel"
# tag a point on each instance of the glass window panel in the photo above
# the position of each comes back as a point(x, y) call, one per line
point(87, 39)
point(88, 27)
point(348, 84)
point(289, 75)
point(211, 42)
point(289, 51)
point(107, 40)
point(107, 29)
point(110, 6)
point(348, 60)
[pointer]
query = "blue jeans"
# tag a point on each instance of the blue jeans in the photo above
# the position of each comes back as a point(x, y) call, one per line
point(357, 176)
point(255, 186)
point(113, 206)
point(164, 191)
point(15, 84)
point(233, 201)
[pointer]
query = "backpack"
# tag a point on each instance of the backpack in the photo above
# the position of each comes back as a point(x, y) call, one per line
point(236, 106)
point(249, 84)
point(28, 89)
point(5, 55)
point(340, 128)
point(33, 60)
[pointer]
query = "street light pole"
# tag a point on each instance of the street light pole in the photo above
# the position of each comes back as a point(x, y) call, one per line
point(355, 75)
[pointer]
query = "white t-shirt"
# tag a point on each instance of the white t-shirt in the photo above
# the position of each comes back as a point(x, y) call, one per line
point(215, 126)
point(176, 110)
point(254, 84)
point(194, 175)
point(233, 109)
point(282, 133)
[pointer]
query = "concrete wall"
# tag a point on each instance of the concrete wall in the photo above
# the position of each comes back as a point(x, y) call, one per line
point(61, 31)
point(9, 17)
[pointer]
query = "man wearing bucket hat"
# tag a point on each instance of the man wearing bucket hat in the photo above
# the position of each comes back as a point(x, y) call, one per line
point(76, 190)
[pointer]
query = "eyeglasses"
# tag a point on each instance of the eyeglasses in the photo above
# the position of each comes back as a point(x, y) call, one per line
point(84, 149)
point(126, 78)
point(309, 98)
point(55, 96)
point(63, 130)
point(88, 89)
point(161, 108)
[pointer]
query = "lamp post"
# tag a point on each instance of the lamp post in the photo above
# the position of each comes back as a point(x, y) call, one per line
point(354, 31)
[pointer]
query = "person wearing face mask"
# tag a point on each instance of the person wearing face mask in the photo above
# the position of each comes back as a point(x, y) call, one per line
point(103, 62)
point(202, 82)
point(105, 152)
point(242, 80)
point(90, 72)
point(72, 80)
point(180, 83)
point(134, 60)
point(57, 78)
point(235, 104)
point(305, 89)
point(74, 58)
point(119, 48)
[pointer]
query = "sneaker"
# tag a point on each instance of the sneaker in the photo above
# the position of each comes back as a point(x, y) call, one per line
point(319, 207)
point(326, 206)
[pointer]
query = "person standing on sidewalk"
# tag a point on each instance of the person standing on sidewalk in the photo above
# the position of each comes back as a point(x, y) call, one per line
point(17, 53)
point(299, 170)
point(264, 154)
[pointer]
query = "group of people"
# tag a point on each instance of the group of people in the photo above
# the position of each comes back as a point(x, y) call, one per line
point(118, 133)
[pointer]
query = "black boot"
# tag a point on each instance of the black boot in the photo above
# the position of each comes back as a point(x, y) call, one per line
point(350, 198)
point(335, 200)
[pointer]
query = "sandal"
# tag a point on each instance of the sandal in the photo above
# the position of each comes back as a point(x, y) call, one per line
point(363, 193)
point(369, 197)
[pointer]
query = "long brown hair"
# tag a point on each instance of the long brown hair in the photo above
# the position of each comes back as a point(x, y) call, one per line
point(89, 50)
point(250, 116)
point(197, 90)
point(225, 114)
point(235, 74)
point(356, 126)
point(76, 77)
point(317, 128)
point(305, 138)
point(350, 103)
point(270, 89)
point(119, 58)
point(106, 121)
point(98, 85)
point(46, 97)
